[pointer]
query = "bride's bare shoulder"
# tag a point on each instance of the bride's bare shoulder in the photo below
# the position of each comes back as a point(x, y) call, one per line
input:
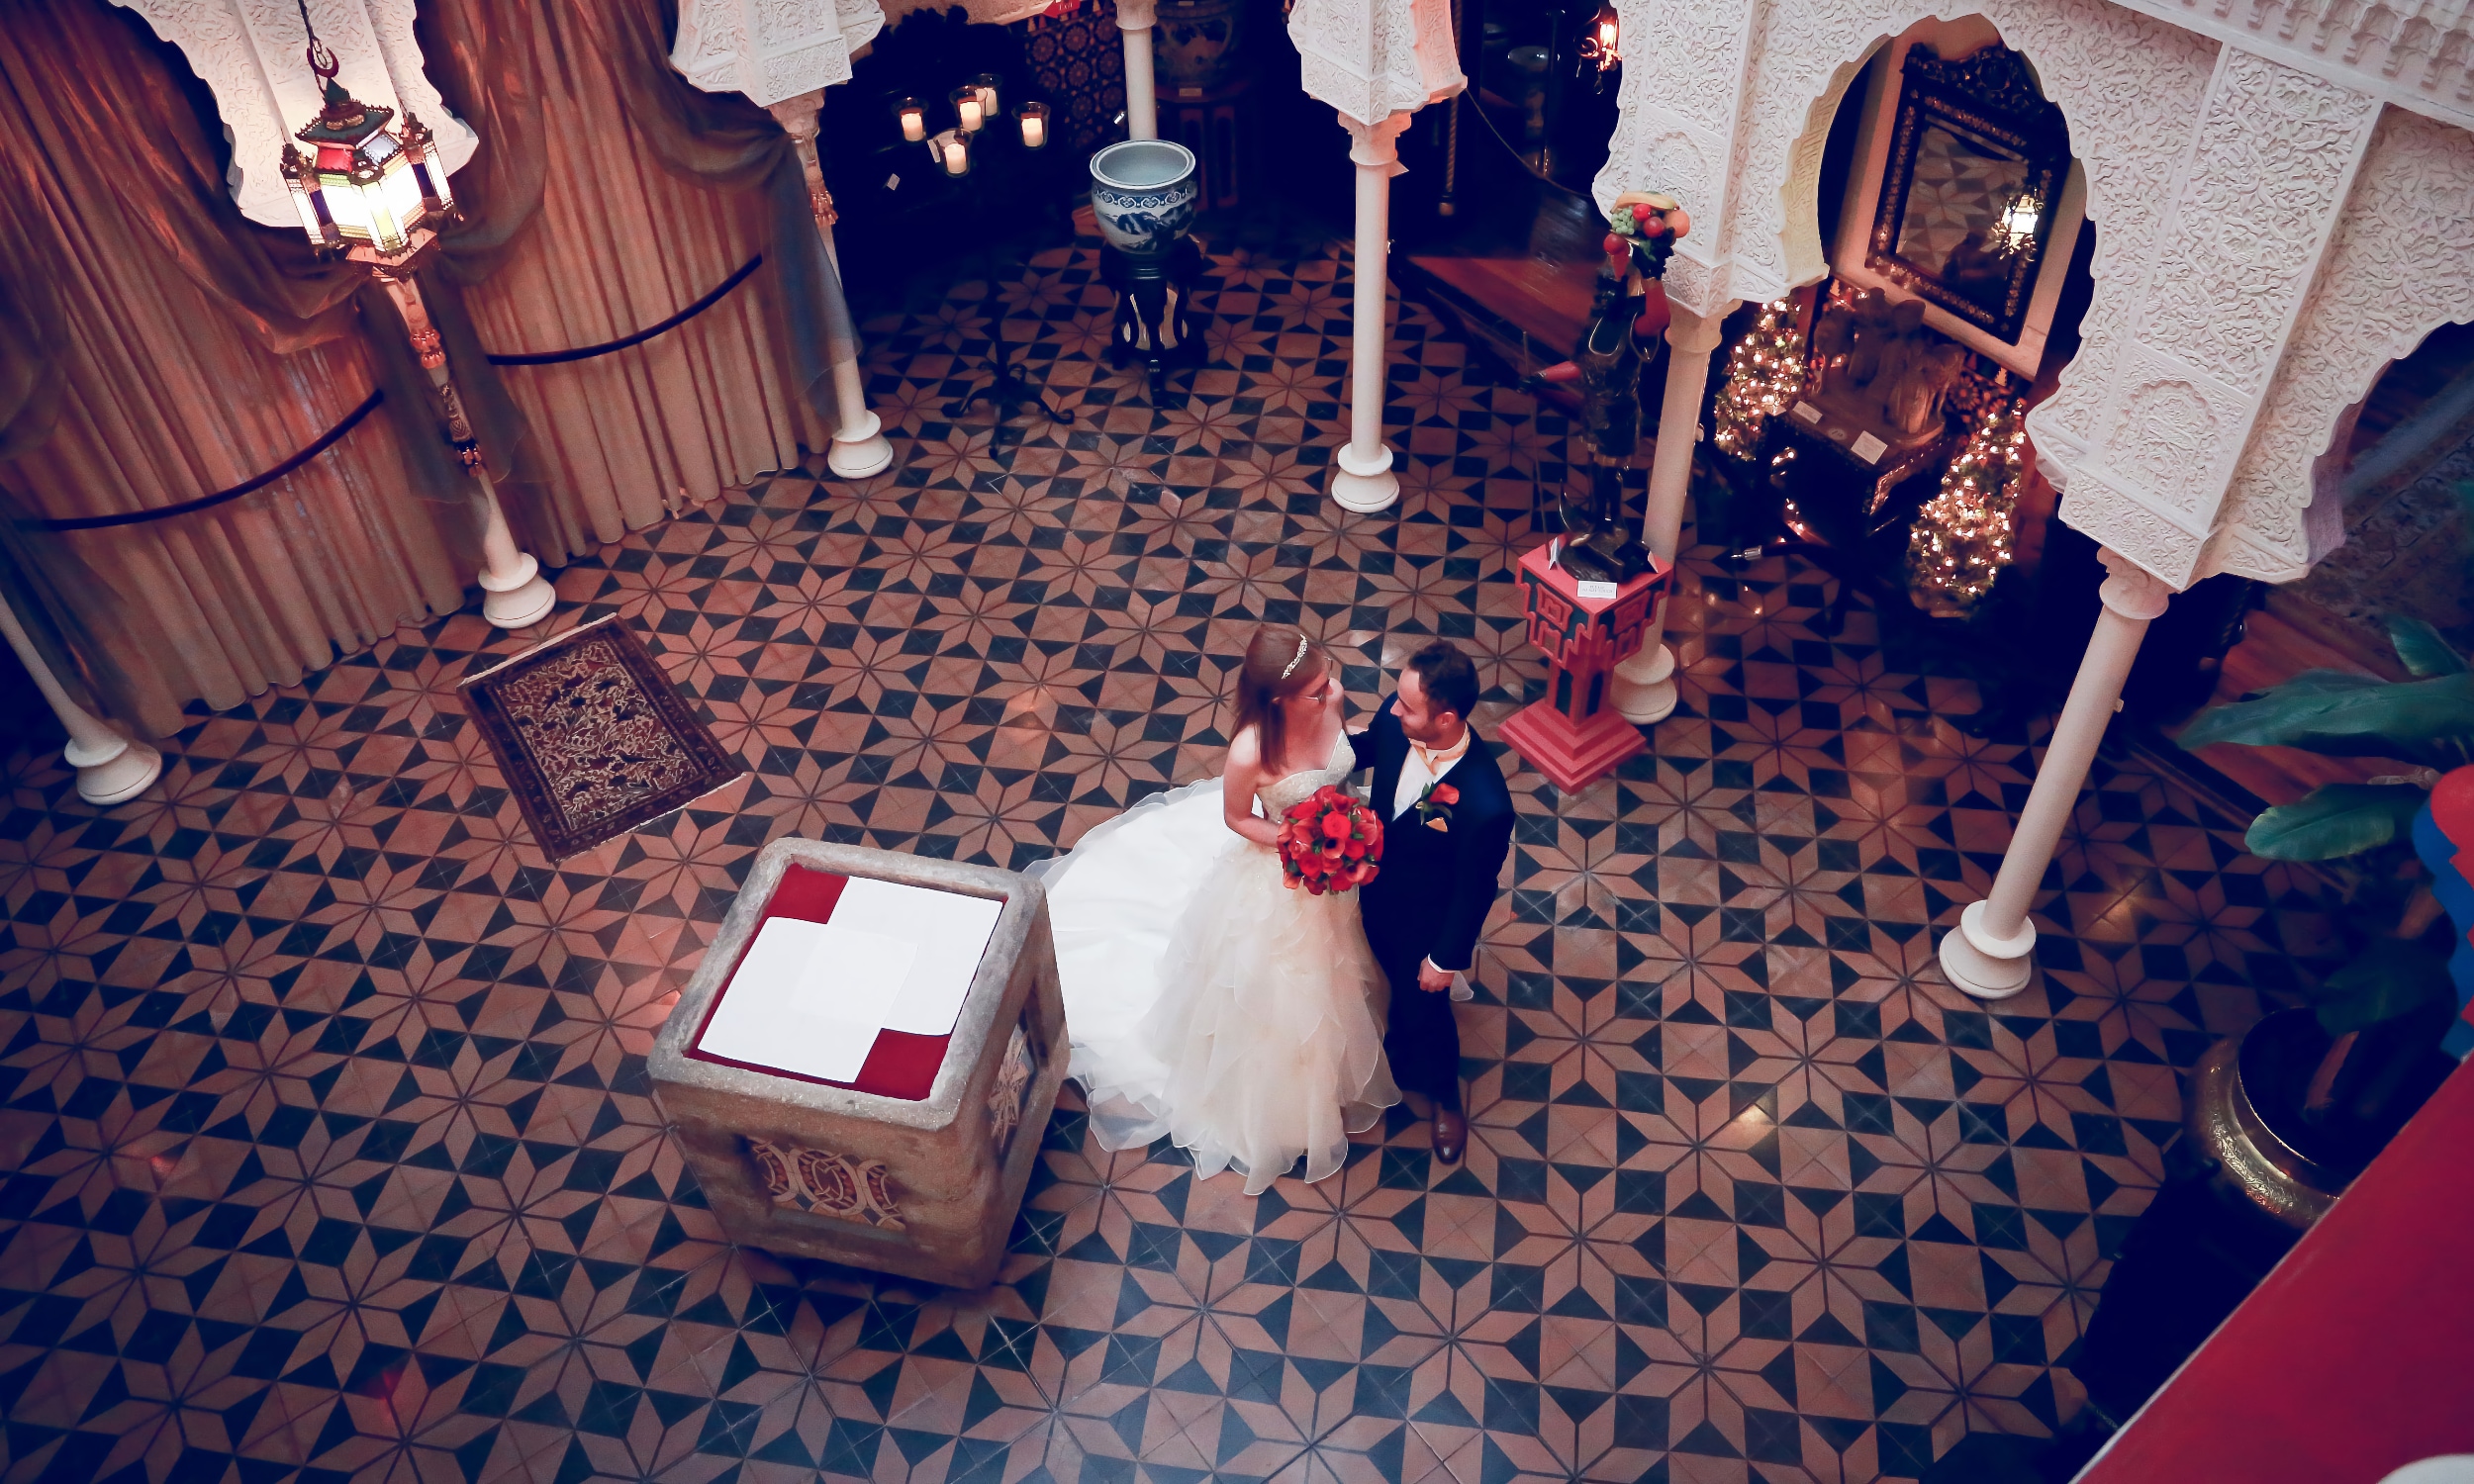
point(1245, 750)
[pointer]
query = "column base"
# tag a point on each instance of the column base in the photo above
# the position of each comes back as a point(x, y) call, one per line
point(1978, 964)
point(114, 775)
point(1644, 688)
point(1572, 757)
point(1365, 485)
point(518, 597)
point(860, 450)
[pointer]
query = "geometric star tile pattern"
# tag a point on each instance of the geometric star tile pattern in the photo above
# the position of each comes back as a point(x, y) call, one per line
point(331, 1157)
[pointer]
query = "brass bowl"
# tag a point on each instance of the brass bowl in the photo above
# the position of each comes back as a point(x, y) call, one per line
point(2225, 1124)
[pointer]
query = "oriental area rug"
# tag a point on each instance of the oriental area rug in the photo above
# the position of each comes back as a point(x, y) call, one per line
point(593, 738)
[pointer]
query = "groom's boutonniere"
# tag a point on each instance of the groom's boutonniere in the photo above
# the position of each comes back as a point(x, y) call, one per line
point(1434, 806)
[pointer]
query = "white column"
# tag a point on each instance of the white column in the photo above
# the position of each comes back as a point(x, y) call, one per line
point(1142, 108)
point(1364, 481)
point(1991, 955)
point(859, 446)
point(111, 769)
point(514, 592)
point(1645, 684)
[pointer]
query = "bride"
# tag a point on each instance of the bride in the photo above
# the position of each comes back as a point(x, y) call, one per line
point(1205, 998)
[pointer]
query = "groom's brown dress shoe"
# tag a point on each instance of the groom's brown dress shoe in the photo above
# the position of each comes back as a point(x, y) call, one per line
point(1451, 1136)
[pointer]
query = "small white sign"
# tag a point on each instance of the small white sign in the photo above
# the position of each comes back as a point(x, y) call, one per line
point(893, 182)
point(1597, 590)
point(1808, 413)
point(1870, 448)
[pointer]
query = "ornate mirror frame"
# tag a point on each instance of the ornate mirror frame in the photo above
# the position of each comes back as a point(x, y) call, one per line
point(1989, 99)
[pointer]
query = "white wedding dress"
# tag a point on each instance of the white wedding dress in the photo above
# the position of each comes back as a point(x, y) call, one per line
point(1207, 999)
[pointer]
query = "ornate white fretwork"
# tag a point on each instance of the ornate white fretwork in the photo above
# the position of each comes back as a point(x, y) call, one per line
point(2268, 171)
point(2401, 264)
point(2414, 54)
point(1373, 58)
point(249, 52)
point(2215, 178)
point(1682, 84)
point(771, 50)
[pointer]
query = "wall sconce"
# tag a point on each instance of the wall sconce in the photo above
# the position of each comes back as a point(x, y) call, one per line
point(1603, 42)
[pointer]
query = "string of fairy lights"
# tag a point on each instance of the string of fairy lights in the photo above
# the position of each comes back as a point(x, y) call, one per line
point(1966, 534)
point(1764, 372)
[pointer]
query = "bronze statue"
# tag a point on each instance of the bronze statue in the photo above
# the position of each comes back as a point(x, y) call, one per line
point(1597, 545)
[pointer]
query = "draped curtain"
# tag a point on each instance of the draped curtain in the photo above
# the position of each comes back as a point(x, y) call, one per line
point(645, 194)
point(191, 349)
point(194, 350)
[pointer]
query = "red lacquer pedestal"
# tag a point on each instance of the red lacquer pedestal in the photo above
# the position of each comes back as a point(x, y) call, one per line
point(1574, 736)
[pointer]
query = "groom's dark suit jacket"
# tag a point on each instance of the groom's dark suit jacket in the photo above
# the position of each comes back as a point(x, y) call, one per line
point(1431, 898)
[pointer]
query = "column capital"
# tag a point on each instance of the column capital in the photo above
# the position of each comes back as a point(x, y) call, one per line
point(1376, 143)
point(1137, 15)
point(1695, 333)
point(798, 114)
point(2132, 591)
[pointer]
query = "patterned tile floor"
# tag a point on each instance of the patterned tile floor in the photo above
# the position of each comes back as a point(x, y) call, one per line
point(329, 1145)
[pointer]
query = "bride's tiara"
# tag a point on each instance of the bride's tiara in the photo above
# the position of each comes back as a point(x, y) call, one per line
point(1294, 660)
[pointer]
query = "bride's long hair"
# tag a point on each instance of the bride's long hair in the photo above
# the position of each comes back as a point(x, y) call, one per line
point(1280, 663)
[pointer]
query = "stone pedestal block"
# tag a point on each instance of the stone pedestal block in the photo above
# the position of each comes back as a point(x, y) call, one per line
point(1574, 734)
point(918, 1167)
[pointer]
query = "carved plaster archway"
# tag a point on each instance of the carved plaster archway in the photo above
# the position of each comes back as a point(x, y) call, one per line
point(2401, 265)
point(2131, 90)
point(2215, 359)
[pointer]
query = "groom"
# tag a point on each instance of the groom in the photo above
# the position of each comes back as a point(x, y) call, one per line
point(1446, 828)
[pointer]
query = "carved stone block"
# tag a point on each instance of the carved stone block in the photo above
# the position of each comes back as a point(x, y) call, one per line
point(923, 1188)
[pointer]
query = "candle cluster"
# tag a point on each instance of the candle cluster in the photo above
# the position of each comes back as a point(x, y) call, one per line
point(977, 105)
point(1964, 536)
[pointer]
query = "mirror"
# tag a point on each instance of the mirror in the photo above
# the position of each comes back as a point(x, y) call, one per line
point(1977, 164)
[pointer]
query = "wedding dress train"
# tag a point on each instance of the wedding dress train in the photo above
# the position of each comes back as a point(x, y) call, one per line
point(1208, 1001)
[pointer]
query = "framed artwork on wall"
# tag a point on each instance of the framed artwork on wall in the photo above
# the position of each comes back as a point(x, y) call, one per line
point(1971, 187)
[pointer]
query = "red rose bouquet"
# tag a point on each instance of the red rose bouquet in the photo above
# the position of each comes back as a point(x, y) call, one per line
point(1330, 842)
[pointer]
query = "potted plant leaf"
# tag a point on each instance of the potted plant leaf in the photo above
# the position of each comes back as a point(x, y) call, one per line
point(2321, 1090)
point(2281, 1118)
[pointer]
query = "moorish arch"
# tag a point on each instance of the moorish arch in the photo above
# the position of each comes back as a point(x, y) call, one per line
point(2216, 360)
point(2400, 266)
point(2274, 230)
point(2131, 90)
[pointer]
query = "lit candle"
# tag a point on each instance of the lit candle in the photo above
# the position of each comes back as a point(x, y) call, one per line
point(988, 101)
point(972, 114)
point(913, 123)
point(957, 155)
point(1034, 125)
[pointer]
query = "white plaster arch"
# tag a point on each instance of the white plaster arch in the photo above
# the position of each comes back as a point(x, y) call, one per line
point(2400, 266)
point(2131, 91)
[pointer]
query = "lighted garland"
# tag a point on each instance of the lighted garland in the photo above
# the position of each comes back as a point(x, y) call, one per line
point(1964, 536)
point(1764, 372)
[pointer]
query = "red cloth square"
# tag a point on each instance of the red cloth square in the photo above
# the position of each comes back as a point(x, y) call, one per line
point(900, 1066)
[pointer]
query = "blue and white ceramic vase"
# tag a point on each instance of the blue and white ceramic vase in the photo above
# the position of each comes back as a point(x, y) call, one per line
point(1143, 191)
